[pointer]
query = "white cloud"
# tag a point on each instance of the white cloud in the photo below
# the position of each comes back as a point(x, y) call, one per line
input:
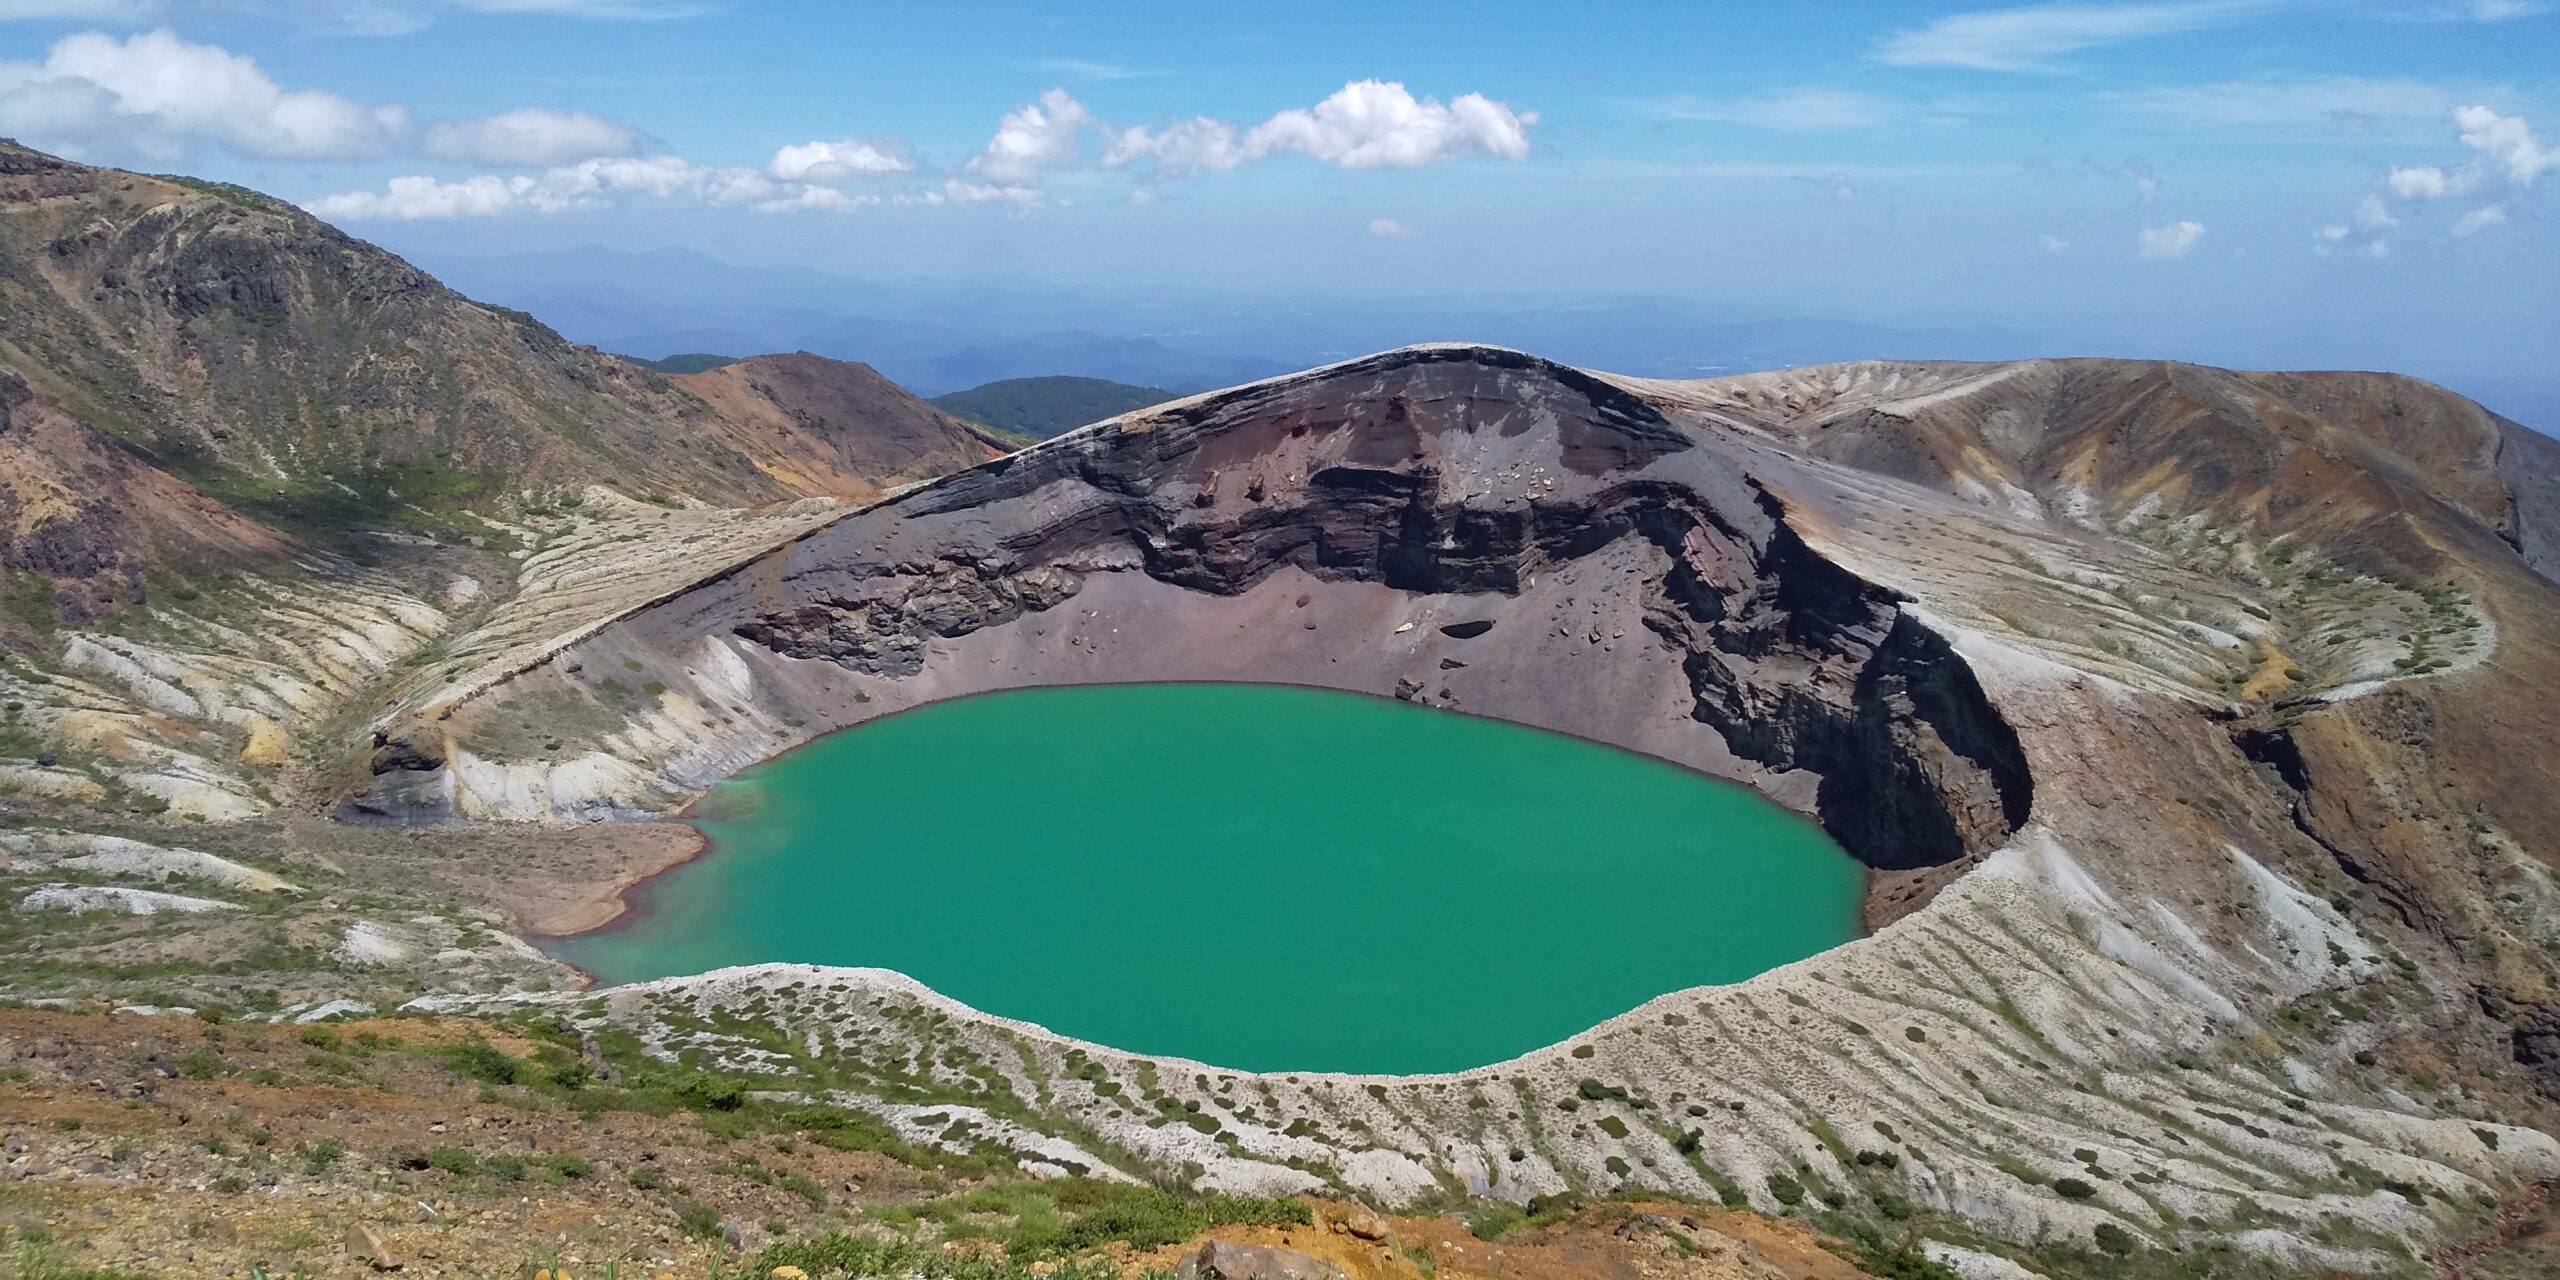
point(1378, 124)
point(1367, 124)
point(2506, 140)
point(588, 184)
point(2420, 182)
point(1019, 195)
point(532, 136)
point(2510, 157)
point(2480, 219)
point(820, 199)
point(410, 199)
point(837, 161)
point(1796, 110)
point(1180, 149)
point(2161, 244)
point(2031, 39)
point(1388, 228)
point(2053, 243)
point(155, 94)
point(1034, 139)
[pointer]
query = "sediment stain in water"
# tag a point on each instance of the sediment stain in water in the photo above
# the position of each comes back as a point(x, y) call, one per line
point(1256, 876)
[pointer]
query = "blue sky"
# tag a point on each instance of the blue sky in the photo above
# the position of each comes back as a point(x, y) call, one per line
point(2249, 181)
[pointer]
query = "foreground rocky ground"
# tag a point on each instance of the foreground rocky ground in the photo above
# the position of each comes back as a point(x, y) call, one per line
point(171, 1146)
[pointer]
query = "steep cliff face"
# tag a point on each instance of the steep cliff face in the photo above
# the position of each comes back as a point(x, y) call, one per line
point(1463, 480)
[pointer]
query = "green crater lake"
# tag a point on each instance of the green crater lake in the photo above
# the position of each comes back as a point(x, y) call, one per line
point(1261, 877)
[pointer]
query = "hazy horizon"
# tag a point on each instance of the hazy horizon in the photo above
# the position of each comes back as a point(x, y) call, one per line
point(2265, 183)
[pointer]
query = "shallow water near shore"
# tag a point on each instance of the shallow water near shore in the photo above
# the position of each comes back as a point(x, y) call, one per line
point(1260, 877)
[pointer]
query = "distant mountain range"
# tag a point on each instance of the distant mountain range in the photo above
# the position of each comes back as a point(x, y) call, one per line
point(1044, 407)
point(937, 338)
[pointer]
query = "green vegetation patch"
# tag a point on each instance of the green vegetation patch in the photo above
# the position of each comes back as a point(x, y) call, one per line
point(1036, 1220)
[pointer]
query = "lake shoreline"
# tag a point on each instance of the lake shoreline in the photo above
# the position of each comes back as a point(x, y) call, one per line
point(1064, 807)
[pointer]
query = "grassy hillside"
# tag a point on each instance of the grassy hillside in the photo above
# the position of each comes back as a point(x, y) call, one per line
point(1044, 407)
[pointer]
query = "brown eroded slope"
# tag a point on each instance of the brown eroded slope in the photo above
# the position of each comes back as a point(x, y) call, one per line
point(85, 522)
point(310, 378)
point(833, 427)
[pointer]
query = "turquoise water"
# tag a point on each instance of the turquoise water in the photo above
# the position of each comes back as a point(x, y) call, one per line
point(1256, 876)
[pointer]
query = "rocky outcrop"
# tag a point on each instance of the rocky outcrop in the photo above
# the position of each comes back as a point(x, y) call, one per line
point(1227, 1260)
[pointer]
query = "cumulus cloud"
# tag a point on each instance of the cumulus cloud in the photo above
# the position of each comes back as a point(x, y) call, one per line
point(1388, 228)
point(1034, 139)
point(2420, 182)
point(2508, 158)
point(532, 136)
point(2160, 244)
point(2507, 141)
point(1367, 124)
point(1377, 124)
point(838, 161)
point(156, 96)
point(416, 197)
point(2037, 37)
point(1180, 149)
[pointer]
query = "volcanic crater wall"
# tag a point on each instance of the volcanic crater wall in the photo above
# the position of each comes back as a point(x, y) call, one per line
point(1466, 528)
